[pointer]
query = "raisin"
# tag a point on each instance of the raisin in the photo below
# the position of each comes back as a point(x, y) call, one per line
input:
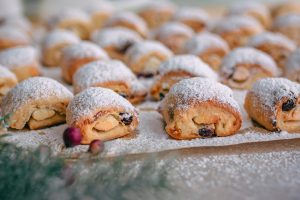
point(126, 118)
point(288, 105)
point(161, 96)
point(125, 47)
point(206, 132)
point(123, 95)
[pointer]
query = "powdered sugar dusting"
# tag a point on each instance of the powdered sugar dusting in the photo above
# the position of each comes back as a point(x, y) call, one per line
point(33, 89)
point(173, 28)
point(190, 13)
point(287, 20)
point(69, 14)
point(84, 49)
point(272, 38)
point(14, 34)
point(200, 89)
point(140, 49)
point(85, 103)
point(248, 55)
point(293, 62)
point(203, 42)
point(58, 37)
point(188, 63)
point(18, 56)
point(5, 73)
point(248, 6)
point(116, 37)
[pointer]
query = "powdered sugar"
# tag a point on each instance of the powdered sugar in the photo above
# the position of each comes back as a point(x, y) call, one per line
point(68, 14)
point(33, 89)
point(84, 49)
point(13, 34)
point(188, 63)
point(5, 73)
point(271, 90)
point(203, 42)
point(293, 62)
point(116, 37)
point(100, 6)
point(60, 37)
point(191, 13)
point(140, 49)
point(272, 38)
point(85, 103)
point(100, 72)
point(173, 28)
point(18, 56)
point(248, 6)
point(287, 20)
point(248, 55)
point(200, 89)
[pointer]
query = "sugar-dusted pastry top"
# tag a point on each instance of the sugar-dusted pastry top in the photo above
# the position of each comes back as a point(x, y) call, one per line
point(18, 56)
point(270, 91)
point(68, 14)
point(272, 38)
point(14, 34)
point(173, 28)
point(234, 23)
point(248, 6)
point(102, 71)
point(159, 6)
point(116, 37)
point(141, 49)
point(188, 63)
point(191, 13)
point(31, 90)
point(84, 49)
point(59, 37)
point(94, 99)
point(18, 22)
point(203, 42)
point(100, 6)
point(5, 73)
point(248, 55)
point(293, 62)
point(287, 21)
point(193, 90)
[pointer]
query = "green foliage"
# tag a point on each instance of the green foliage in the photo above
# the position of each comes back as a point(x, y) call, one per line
point(38, 175)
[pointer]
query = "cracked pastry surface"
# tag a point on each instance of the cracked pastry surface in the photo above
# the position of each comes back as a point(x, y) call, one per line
point(113, 75)
point(145, 57)
point(22, 61)
point(7, 81)
point(278, 46)
point(53, 45)
point(200, 108)
point(12, 37)
point(173, 35)
point(210, 47)
point(236, 30)
point(77, 55)
point(116, 41)
point(244, 65)
point(274, 103)
point(178, 68)
point(37, 102)
point(101, 114)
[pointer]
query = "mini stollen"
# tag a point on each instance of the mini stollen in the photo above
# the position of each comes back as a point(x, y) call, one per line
point(200, 108)
point(101, 114)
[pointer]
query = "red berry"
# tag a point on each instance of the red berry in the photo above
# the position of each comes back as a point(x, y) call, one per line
point(72, 137)
point(96, 147)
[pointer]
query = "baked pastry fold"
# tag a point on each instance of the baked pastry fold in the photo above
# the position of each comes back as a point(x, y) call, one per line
point(200, 108)
point(113, 75)
point(274, 103)
point(7, 81)
point(145, 57)
point(177, 68)
point(36, 102)
point(77, 55)
point(13, 37)
point(244, 65)
point(101, 114)
point(22, 61)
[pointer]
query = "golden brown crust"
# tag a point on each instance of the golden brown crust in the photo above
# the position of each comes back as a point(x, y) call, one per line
point(174, 42)
point(26, 72)
point(5, 44)
point(52, 56)
point(98, 19)
point(213, 57)
point(155, 18)
point(80, 28)
point(285, 8)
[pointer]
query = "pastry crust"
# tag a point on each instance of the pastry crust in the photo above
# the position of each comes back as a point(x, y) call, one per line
point(292, 67)
point(7, 81)
point(286, 7)
point(173, 35)
point(74, 20)
point(53, 45)
point(211, 48)
point(196, 18)
point(113, 75)
point(245, 65)
point(101, 114)
point(37, 102)
point(176, 69)
point(199, 108)
point(278, 46)
point(116, 41)
point(274, 103)
point(12, 37)
point(77, 55)
point(22, 61)
point(128, 20)
point(236, 30)
point(145, 57)
point(99, 13)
